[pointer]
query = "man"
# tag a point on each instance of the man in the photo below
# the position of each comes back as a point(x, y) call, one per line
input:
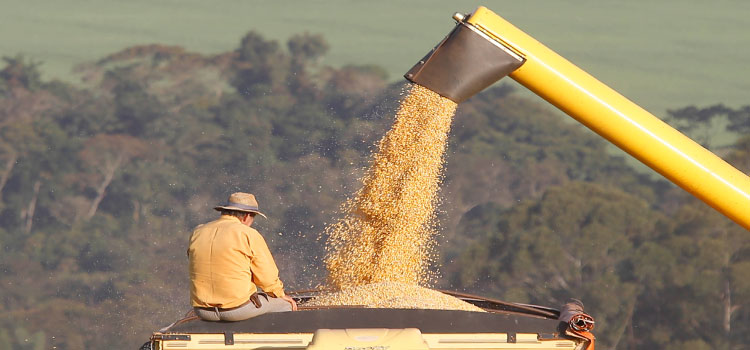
point(229, 260)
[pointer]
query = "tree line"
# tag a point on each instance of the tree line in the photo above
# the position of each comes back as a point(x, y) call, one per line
point(102, 181)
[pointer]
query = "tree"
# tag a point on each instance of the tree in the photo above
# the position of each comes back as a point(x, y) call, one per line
point(307, 47)
point(577, 240)
point(135, 108)
point(740, 154)
point(347, 88)
point(23, 142)
point(20, 73)
point(258, 67)
point(106, 155)
point(700, 261)
point(740, 120)
point(255, 49)
point(8, 157)
point(698, 122)
point(305, 50)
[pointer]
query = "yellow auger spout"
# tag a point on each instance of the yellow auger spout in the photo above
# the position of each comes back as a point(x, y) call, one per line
point(583, 97)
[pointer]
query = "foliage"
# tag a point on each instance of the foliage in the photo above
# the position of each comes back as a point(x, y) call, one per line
point(101, 184)
point(576, 241)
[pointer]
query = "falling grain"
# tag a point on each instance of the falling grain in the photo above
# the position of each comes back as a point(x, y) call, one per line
point(387, 232)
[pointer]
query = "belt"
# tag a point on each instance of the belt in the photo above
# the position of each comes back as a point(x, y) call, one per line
point(253, 299)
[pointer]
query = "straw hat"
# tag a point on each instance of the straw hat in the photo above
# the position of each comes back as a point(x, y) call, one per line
point(241, 201)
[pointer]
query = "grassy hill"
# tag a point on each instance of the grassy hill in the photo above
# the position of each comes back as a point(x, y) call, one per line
point(661, 54)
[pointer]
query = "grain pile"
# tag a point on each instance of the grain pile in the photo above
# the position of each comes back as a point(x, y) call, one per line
point(393, 295)
point(386, 234)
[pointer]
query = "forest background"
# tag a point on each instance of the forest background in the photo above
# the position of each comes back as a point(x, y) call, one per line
point(104, 171)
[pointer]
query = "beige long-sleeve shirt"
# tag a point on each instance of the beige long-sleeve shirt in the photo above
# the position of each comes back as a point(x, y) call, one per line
point(228, 261)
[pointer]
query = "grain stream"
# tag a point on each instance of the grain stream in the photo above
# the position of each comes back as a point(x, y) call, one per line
point(387, 230)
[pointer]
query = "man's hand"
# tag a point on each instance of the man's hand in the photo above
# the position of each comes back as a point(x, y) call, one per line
point(291, 301)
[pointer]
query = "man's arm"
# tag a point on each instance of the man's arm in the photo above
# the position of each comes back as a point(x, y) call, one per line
point(263, 267)
point(264, 270)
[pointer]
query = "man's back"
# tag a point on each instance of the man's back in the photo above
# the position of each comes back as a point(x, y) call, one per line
point(222, 254)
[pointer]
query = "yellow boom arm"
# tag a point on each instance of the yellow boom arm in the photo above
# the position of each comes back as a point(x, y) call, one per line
point(603, 110)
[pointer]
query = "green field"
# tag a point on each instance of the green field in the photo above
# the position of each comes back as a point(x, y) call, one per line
point(661, 54)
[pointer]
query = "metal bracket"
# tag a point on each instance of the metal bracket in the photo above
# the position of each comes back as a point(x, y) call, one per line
point(228, 338)
point(512, 337)
point(548, 336)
